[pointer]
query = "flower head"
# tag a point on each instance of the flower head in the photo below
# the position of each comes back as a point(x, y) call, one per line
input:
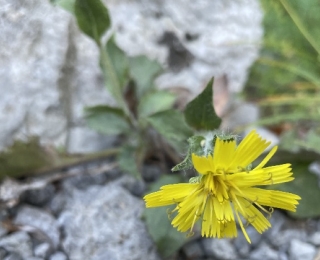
point(225, 191)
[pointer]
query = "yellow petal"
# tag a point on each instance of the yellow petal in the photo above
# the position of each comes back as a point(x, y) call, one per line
point(272, 198)
point(169, 194)
point(267, 158)
point(202, 164)
point(223, 154)
point(247, 151)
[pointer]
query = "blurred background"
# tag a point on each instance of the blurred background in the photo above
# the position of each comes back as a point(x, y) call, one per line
point(74, 162)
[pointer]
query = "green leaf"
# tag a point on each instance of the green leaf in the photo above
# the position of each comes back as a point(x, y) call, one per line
point(107, 120)
point(68, 5)
point(154, 102)
point(127, 160)
point(23, 158)
point(92, 17)
point(171, 125)
point(143, 71)
point(120, 62)
point(200, 113)
point(289, 54)
point(167, 238)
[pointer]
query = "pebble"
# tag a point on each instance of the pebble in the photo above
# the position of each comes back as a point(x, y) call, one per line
point(110, 218)
point(18, 243)
point(219, 248)
point(283, 238)
point(57, 203)
point(299, 250)
point(13, 256)
point(40, 220)
point(264, 251)
point(58, 256)
point(38, 197)
point(42, 250)
point(3, 230)
point(315, 238)
point(193, 250)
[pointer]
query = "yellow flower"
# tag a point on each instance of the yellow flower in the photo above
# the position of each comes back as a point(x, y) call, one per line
point(225, 191)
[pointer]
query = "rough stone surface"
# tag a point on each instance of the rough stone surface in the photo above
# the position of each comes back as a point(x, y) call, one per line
point(13, 256)
point(58, 256)
point(300, 250)
point(241, 244)
point(220, 248)
point(49, 71)
point(3, 230)
point(40, 220)
point(42, 250)
point(315, 238)
point(46, 70)
point(193, 250)
point(103, 222)
point(207, 38)
point(38, 197)
point(19, 243)
point(283, 238)
point(264, 252)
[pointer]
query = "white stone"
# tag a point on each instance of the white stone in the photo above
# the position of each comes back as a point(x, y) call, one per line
point(301, 250)
point(49, 70)
point(104, 222)
point(226, 40)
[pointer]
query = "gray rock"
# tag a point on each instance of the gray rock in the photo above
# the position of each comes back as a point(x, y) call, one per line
point(283, 238)
point(193, 250)
point(34, 258)
point(42, 250)
point(84, 140)
point(220, 36)
point(134, 186)
point(38, 197)
point(59, 256)
point(3, 252)
point(50, 71)
point(13, 256)
point(315, 238)
point(41, 221)
point(110, 219)
point(264, 251)
point(219, 248)
point(57, 203)
point(300, 250)
point(3, 230)
point(277, 221)
point(18, 243)
point(241, 244)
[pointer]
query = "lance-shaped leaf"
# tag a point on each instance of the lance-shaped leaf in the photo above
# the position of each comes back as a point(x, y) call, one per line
point(127, 159)
point(107, 120)
point(92, 17)
point(143, 71)
point(154, 102)
point(200, 113)
point(171, 125)
point(119, 62)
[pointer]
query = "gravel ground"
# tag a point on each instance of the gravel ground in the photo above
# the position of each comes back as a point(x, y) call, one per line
point(99, 217)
